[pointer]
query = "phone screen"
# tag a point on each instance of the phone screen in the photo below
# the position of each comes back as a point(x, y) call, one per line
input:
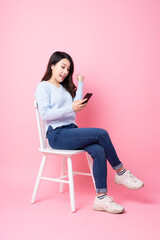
point(88, 96)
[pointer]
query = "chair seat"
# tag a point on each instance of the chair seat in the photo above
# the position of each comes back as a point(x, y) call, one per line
point(60, 151)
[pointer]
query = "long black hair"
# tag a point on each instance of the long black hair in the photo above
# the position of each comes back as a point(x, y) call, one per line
point(68, 81)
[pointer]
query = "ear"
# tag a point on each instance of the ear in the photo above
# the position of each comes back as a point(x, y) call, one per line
point(52, 66)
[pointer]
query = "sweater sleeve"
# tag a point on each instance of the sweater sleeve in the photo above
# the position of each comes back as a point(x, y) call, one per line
point(79, 92)
point(48, 112)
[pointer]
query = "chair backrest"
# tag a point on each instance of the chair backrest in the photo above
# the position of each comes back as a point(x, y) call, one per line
point(41, 128)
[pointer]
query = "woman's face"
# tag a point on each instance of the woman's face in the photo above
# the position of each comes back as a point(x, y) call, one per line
point(61, 70)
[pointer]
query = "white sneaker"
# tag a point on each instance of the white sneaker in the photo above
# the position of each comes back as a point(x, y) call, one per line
point(128, 180)
point(107, 204)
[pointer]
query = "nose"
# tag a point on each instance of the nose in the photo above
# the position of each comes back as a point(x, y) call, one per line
point(65, 71)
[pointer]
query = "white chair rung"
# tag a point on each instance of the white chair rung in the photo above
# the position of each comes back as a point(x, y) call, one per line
point(54, 180)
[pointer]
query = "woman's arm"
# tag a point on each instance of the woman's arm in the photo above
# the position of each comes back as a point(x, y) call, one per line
point(78, 103)
point(46, 111)
point(79, 92)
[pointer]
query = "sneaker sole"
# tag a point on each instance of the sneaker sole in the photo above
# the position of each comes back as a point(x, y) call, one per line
point(109, 211)
point(132, 188)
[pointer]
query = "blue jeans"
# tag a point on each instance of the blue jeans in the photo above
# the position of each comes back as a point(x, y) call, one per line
point(95, 141)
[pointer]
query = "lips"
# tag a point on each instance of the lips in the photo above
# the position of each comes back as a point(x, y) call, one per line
point(62, 77)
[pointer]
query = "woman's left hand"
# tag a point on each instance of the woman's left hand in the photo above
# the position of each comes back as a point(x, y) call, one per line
point(79, 105)
point(80, 77)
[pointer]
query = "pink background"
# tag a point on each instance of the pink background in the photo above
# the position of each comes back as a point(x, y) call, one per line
point(115, 44)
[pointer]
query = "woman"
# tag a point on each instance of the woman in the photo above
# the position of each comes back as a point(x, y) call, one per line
point(58, 101)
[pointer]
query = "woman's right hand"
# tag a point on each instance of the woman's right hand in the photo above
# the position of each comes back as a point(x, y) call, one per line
point(79, 105)
point(80, 77)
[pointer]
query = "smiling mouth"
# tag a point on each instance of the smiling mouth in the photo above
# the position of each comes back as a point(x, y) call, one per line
point(63, 77)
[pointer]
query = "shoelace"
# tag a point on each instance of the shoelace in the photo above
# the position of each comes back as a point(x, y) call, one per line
point(111, 199)
point(131, 176)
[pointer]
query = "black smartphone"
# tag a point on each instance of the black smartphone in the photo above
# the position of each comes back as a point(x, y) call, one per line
point(88, 96)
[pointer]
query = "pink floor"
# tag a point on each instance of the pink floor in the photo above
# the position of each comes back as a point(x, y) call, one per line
point(50, 217)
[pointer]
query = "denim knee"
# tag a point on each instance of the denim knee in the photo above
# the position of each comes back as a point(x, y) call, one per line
point(104, 133)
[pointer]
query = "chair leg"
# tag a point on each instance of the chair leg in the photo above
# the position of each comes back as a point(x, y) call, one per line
point(38, 178)
point(63, 166)
point(90, 163)
point(71, 184)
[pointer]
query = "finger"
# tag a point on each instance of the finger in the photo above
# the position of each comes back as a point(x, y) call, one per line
point(77, 101)
point(83, 105)
point(83, 100)
point(77, 76)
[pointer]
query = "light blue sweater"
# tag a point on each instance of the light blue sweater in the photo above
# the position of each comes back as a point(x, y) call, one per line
point(55, 104)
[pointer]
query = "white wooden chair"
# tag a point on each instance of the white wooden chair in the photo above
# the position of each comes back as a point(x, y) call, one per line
point(66, 155)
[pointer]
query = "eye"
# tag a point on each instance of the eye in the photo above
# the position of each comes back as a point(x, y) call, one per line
point(62, 67)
